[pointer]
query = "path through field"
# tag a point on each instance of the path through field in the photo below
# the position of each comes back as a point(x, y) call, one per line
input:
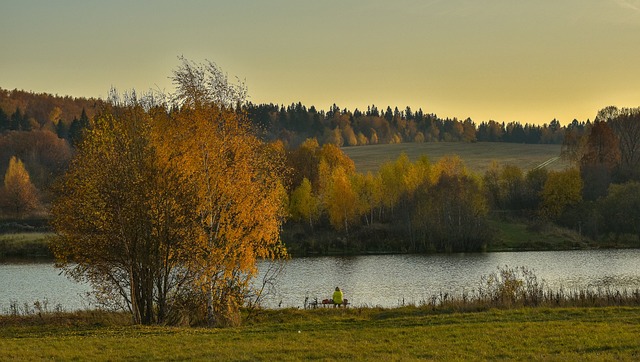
point(548, 162)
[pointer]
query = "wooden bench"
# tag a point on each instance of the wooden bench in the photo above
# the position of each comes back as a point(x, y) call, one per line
point(324, 303)
point(328, 302)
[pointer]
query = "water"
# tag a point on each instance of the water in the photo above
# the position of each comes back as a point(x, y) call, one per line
point(375, 280)
point(28, 282)
point(388, 280)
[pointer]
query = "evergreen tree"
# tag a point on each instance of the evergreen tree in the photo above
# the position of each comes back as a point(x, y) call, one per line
point(16, 120)
point(388, 114)
point(4, 121)
point(74, 132)
point(77, 128)
point(62, 130)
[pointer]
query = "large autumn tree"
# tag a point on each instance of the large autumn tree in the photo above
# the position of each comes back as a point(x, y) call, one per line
point(625, 124)
point(238, 188)
point(124, 215)
point(168, 207)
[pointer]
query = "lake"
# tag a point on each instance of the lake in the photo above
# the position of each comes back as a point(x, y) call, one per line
point(372, 280)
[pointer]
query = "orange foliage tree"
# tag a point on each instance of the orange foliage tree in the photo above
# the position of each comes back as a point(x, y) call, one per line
point(167, 208)
point(238, 182)
point(20, 197)
point(123, 216)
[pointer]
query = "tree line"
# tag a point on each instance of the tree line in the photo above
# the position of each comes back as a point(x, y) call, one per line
point(342, 127)
point(43, 130)
point(67, 116)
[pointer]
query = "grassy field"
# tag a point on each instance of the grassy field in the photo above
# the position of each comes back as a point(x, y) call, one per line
point(409, 333)
point(24, 245)
point(518, 236)
point(477, 156)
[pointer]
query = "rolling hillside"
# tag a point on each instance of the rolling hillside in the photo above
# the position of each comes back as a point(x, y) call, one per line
point(477, 156)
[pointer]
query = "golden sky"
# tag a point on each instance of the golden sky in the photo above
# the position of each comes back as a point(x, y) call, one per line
point(507, 60)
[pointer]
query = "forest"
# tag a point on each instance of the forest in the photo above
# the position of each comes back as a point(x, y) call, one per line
point(295, 123)
point(405, 206)
point(42, 130)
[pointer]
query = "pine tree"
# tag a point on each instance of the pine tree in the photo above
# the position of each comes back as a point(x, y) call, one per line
point(4, 121)
point(16, 120)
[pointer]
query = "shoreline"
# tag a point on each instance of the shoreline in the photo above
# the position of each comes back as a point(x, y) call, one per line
point(33, 247)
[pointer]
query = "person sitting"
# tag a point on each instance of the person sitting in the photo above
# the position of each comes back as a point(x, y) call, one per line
point(338, 297)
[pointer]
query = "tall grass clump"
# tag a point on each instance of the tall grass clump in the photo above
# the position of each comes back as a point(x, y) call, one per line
point(520, 287)
point(511, 287)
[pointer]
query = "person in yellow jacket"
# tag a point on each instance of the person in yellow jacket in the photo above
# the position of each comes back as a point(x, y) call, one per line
point(338, 298)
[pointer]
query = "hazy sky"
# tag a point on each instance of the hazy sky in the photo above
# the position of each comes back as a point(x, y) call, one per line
point(507, 60)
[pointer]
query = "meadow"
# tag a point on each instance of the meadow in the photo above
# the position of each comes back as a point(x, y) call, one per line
point(476, 156)
point(25, 245)
point(408, 333)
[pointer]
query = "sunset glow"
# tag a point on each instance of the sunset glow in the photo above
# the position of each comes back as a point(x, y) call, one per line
point(526, 61)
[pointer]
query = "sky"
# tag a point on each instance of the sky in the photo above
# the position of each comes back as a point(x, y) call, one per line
point(529, 61)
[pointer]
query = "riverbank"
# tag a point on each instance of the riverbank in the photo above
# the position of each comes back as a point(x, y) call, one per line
point(25, 245)
point(407, 333)
point(507, 236)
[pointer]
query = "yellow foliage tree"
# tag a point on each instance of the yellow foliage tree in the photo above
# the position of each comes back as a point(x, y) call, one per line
point(561, 190)
point(20, 196)
point(331, 158)
point(335, 158)
point(417, 175)
point(238, 187)
point(340, 200)
point(448, 166)
point(167, 207)
point(349, 136)
point(368, 189)
point(123, 215)
point(303, 205)
point(392, 175)
point(304, 161)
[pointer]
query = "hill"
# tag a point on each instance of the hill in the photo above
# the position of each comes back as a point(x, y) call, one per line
point(477, 156)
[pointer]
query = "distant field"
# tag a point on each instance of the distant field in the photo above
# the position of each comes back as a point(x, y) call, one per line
point(477, 156)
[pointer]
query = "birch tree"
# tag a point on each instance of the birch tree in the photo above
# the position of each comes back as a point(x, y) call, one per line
point(20, 197)
point(237, 185)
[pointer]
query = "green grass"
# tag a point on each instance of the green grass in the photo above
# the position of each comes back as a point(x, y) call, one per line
point(408, 333)
point(25, 245)
point(519, 236)
point(477, 156)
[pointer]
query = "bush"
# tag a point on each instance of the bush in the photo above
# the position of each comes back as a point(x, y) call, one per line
point(512, 287)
